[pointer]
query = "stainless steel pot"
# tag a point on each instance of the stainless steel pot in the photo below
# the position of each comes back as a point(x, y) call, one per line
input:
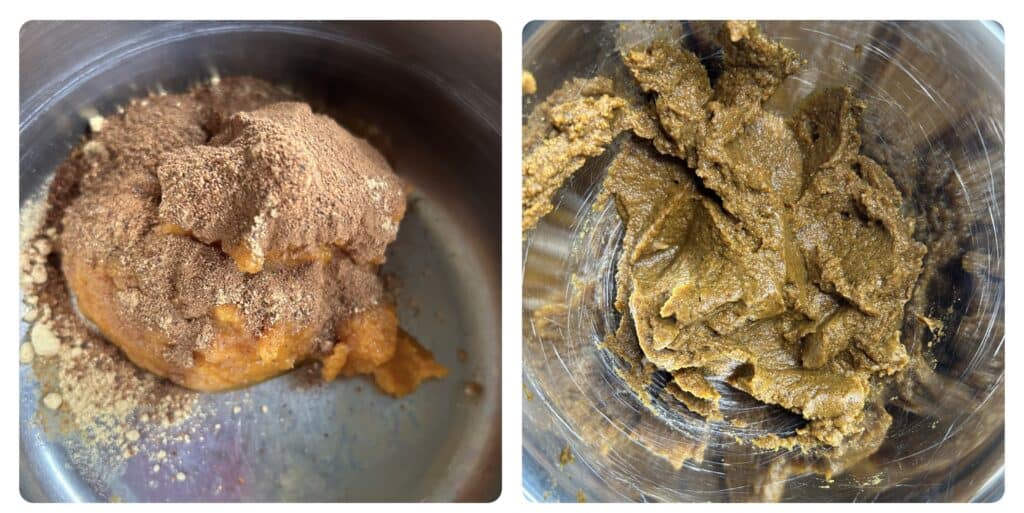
point(427, 94)
point(934, 94)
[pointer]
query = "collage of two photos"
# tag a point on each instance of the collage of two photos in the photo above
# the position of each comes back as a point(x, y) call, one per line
point(261, 261)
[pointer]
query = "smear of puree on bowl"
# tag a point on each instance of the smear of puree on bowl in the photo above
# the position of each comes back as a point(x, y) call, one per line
point(762, 251)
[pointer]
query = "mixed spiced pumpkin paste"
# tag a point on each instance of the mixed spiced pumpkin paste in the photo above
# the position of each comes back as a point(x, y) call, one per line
point(226, 235)
point(762, 251)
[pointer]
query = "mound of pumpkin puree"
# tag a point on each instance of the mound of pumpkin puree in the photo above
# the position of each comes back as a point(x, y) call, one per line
point(760, 251)
point(223, 236)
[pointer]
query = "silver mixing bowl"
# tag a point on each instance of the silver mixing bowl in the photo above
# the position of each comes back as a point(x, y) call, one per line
point(427, 94)
point(934, 94)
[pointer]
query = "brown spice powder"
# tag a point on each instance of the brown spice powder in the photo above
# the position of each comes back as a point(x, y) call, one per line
point(281, 179)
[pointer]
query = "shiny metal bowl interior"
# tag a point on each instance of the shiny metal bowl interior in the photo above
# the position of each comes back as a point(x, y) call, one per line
point(934, 94)
point(427, 94)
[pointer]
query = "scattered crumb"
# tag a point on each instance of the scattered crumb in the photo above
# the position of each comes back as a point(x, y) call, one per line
point(462, 355)
point(529, 83)
point(44, 341)
point(27, 353)
point(527, 393)
point(96, 149)
point(263, 409)
point(160, 455)
point(53, 400)
point(156, 467)
point(38, 274)
point(580, 497)
point(43, 246)
point(236, 410)
point(96, 123)
point(566, 456)
point(180, 476)
point(473, 389)
point(934, 325)
point(133, 435)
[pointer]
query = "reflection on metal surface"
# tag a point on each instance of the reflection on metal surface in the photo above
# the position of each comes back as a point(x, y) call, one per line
point(934, 94)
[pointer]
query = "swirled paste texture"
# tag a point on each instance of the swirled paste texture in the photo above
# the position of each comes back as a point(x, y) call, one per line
point(760, 251)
